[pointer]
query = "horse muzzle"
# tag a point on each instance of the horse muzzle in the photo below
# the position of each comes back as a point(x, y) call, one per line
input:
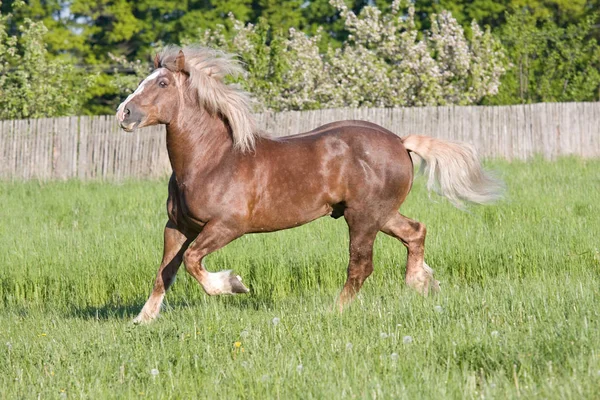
point(129, 127)
point(129, 118)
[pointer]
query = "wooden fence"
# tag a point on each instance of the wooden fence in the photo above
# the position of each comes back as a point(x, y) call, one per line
point(95, 148)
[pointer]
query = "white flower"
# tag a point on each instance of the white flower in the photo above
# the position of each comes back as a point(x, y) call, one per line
point(275, 321)
point(299, 368)
point(384, 62)
point(154, 372)
point(394, 357)
point(348, 346)
point(494, 334)
point(383, 335)
point(407, 339)
point(438, 309)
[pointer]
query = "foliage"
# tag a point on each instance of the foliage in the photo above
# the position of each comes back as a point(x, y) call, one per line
point(127, 83)
point(517, 316)
point(549, 63)
point(493, 13)
point(383, 62)
point(31, 84)
point(303, 72)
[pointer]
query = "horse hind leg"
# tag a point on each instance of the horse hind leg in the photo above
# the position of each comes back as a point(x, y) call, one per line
point(412, 234)
point(360, 265)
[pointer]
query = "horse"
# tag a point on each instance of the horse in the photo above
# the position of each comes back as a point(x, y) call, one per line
point(229, 178)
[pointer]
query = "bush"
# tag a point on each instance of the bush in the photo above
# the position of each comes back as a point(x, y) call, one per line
point(385, 62)
point(31, 84)
point(549, 63)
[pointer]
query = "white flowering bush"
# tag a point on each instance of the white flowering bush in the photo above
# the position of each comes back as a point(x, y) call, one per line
point(385, 62)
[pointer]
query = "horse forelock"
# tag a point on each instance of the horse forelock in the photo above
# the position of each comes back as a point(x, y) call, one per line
point(207, 69)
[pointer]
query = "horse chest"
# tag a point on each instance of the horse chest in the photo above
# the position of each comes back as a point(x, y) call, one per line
point(181, 212)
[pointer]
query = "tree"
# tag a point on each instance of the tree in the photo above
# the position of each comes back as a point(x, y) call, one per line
point(549, 63)
point(33, 85)
point(385, 61)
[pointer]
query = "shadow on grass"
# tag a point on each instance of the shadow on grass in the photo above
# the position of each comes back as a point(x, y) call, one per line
point(106, 312)
point(129, 311)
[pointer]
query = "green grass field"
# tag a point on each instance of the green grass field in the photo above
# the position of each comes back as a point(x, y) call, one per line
point(518, 315)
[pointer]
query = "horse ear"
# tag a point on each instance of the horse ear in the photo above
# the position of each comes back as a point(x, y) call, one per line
point(180, 61)
point(156, 61)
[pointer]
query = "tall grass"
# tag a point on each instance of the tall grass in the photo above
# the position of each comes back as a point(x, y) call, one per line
point(518, 313)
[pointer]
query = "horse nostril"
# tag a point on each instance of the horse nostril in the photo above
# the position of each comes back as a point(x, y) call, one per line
point(127, 112)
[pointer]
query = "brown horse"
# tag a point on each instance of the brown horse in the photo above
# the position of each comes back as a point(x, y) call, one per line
point(229, 179)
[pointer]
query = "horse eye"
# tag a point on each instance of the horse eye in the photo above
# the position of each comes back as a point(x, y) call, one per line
point(162, 84)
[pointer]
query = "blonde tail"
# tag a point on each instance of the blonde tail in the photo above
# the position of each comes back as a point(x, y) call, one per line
point(454, 171)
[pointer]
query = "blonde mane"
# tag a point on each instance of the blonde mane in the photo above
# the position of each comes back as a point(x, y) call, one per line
point(207, 69)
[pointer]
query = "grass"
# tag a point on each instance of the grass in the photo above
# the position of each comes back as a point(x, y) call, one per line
point(518, 315)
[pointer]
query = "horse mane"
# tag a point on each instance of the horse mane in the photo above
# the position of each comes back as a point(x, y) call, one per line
point(207, 69)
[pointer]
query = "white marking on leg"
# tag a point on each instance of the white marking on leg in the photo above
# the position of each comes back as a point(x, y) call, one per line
point(150, 310)
point(223, 282)
point(427, 268)
point(139, 90)
point(434, 285)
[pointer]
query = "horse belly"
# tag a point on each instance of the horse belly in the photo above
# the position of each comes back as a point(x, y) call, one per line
point(291, 198)
point(284, 214)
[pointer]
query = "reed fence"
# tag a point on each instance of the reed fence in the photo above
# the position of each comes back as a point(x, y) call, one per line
point(95, 147)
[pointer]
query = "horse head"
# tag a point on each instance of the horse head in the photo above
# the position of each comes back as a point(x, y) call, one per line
point(156, 99)
point(188, 82)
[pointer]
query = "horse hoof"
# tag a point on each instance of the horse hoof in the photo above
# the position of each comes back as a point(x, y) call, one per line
point(236, 284)
point(224, 282)
point(143, 319)
point(434, 286)
point(424, 285)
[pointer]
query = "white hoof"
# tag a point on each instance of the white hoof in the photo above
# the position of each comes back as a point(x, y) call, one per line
point(223, 282)
point(143, 319)
point(423, 281)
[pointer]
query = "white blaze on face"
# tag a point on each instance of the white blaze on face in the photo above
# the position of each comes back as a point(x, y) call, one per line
point(139, 90)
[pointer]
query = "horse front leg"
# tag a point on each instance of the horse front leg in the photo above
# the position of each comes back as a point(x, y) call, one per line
point(214, 235)
point(175, 243)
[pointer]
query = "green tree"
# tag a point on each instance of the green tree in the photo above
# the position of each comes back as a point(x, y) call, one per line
point(549, 63)
point(125, 28)
point(493, 12)
point(33, 85)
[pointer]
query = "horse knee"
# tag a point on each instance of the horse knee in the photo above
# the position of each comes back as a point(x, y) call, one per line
point(190, 260)
point(367, 270)
point(167, 281)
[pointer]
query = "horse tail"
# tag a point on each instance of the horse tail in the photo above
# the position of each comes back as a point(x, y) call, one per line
point(453, 170)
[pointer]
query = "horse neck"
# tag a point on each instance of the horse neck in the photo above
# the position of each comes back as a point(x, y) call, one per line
point(197, 141)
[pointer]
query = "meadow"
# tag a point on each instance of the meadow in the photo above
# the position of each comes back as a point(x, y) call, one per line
point(518, 315)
